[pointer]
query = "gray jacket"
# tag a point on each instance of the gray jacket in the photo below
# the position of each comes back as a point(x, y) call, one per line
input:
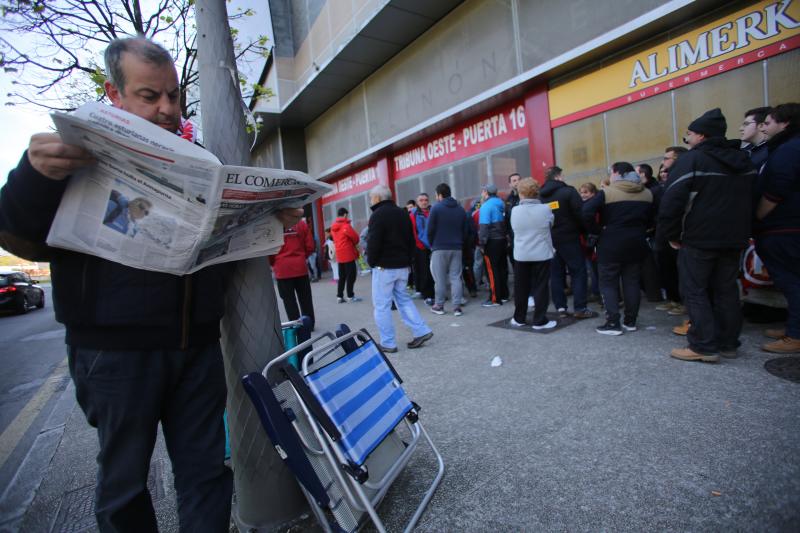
point(531, 221)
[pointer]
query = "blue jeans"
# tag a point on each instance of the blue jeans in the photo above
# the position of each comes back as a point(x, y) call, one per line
point(781, 256)
point(390, 284)
point(569, 255)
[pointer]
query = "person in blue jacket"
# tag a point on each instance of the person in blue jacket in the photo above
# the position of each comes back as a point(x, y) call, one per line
point(493, 242)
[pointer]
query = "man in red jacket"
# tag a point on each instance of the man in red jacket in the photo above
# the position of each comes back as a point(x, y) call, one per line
point(345, 239)
point(291, 271)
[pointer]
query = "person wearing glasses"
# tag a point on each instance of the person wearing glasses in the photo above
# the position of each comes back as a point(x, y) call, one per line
point(754, 142)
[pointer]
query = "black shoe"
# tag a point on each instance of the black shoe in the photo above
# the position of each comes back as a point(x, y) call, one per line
point(416, 342)
point(609, 328)
point(386, 349)
point(629, 325)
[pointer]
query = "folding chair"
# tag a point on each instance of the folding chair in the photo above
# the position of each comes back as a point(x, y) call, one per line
point(337, 422)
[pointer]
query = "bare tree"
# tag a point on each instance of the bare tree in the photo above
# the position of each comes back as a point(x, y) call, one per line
point(52, 47)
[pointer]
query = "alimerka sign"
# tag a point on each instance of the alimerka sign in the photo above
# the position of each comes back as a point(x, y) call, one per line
point(762, 30)
point(496, 128)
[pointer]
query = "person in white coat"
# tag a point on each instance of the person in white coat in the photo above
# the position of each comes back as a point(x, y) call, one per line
point(533, 249)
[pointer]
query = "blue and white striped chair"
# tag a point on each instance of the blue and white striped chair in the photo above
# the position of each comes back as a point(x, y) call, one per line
point(345, 406)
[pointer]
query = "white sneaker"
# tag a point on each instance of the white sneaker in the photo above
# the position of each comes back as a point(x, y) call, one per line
point(514, 323)
point(549, 325)
point(531, 303)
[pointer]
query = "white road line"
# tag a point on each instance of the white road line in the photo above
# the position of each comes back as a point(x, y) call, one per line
point(20, 425)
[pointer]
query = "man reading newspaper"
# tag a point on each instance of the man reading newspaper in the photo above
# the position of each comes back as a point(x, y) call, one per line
point(143, 346)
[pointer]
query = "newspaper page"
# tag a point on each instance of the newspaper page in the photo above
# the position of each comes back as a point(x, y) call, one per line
point(158, 202)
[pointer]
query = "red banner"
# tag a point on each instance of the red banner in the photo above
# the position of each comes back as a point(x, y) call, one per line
point(491, 130)
point(360, 181)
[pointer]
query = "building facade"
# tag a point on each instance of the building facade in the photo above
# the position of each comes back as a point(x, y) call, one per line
point(412, 93)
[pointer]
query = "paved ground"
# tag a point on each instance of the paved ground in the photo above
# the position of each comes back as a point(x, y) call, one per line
point(573, 432)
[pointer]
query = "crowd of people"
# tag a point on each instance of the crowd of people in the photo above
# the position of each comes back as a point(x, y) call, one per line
point(675, 235)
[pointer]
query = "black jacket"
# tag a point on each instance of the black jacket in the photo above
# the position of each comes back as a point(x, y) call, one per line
point(779, 182)
point(390, 240)
point(106, 305)
point(511, 202)
point(626, 212)
point(566, 204)
point(707, 201)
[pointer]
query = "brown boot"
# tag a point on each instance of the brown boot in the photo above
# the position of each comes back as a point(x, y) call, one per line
point(683, 329)
point(687, 354)
point(782, 345)
point(775, 333)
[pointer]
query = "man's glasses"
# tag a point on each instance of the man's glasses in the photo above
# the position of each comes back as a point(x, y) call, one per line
point(747, 123)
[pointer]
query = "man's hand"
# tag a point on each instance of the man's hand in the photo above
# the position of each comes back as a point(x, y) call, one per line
point(54, 159)
point(289, 216)
point(675, 245)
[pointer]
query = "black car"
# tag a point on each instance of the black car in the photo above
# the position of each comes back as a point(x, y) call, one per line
point(19, 292)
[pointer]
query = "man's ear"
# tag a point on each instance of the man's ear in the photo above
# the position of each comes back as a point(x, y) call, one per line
point(114, 94)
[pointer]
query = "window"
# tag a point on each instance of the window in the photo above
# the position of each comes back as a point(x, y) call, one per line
point(580, 149)
point(468, 176)
point(510, 161)
point(734, 92)
point(640, 131)
point(783, 78)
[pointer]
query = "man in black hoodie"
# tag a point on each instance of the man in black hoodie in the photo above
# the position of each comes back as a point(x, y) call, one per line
point(566, 205)
point(705, 214)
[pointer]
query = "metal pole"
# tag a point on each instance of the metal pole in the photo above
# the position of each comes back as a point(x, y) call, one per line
point(267, 495)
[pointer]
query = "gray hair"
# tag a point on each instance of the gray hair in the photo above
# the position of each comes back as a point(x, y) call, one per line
point(382, 192)
point(141, 47)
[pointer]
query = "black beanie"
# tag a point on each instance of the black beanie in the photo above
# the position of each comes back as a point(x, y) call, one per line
point(711, 124)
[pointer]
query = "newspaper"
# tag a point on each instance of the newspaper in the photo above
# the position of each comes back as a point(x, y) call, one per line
point(156, 201)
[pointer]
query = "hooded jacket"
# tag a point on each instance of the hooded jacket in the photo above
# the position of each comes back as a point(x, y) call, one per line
point(625, 212)
point(779, 182)
point(566, 204)
point(707, 202)
point(345, 239)
point(290, 261)
point(447, 225)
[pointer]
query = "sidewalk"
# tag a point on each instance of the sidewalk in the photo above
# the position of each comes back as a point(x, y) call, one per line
point(574, 431)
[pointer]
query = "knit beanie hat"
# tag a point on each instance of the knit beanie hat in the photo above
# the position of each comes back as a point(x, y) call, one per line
point(711, 124)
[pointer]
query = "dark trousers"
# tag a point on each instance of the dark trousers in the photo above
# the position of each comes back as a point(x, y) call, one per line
point(531, 278)
point(781, 255)
point(124, 394)
point(467, 258)
point(347, 277)
point(711, 296)
point(496, 261)
point(651, 283)
point(293, 289)
point(569, 256)
point(610, 276)
point(667, 259)
point(423, 280)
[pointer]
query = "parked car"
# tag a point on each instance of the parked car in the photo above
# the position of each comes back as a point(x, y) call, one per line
point(19, 292)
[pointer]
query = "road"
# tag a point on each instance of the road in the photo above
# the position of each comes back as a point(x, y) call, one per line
point(33, 377)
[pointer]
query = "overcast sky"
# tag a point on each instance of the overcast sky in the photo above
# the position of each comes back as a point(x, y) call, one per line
point(18, 123)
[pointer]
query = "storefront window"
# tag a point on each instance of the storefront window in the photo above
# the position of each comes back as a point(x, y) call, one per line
point(407, 190)
point(639, 132)
point(581, 150)
point(328, 214)
point(430, 181)
point(734, 92)
point(783, 78)
point(468, 176)
point(358, 211)
point(510, 161)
